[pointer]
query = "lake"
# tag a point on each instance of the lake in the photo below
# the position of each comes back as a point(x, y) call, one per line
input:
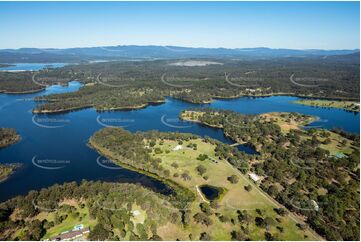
point(31, 66)
point(54, 147)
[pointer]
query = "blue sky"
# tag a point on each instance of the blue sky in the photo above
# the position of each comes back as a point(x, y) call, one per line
point(298, 25)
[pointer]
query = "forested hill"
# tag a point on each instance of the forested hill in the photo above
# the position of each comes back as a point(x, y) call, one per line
point(146, 52)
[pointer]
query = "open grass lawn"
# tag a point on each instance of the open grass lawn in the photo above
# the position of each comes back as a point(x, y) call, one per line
point(235, 196)
point(69, 222)
point(286, 121)
point(336, 145)
point(347, 105)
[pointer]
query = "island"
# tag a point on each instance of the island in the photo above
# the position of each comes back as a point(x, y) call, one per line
point(8, 136)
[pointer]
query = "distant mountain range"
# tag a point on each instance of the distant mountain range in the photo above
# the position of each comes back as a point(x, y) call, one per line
point(156, 52)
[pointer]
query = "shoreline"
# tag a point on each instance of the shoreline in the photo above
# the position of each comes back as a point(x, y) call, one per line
point(175, 187)
point(22, 92)
point(320, 105)
point(14, 168)
point(16, 139)
point(65, 110)
point(141, 106)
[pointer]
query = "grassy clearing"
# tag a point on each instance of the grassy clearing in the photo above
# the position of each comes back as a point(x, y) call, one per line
point(235, 197)
point(337, 144)
point(346, 105)
point(69, 222)
point(288, 121)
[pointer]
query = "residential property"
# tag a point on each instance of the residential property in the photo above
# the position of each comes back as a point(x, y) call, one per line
point(315, 205)
point(254, 177)
point(75, 234)
point(178, 147)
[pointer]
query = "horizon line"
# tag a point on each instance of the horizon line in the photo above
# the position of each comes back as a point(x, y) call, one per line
point(177, 46)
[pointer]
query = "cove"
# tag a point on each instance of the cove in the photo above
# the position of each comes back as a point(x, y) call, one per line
point(66, 140)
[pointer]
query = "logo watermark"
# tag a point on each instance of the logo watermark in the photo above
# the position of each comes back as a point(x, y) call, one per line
point(297, 81)
point(174, 122)
point(242, 81)
point(306, 204)
point(33, 78)
point(63, 73)
point(49, 123)
point(106, 81)
point(179, 82)
point(107, 164)
point(43, 205)
point(114, 122)
point(49, 164)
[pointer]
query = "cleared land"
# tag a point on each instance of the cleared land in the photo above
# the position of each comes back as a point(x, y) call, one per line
point(182, 160)
point(298, 165)
point(234, 198)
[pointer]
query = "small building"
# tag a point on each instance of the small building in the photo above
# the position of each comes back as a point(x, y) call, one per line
point(71, 235)
point(254, 177)
point(178, 147)
point(340, 155)
point(315, 205)
point(135, 212)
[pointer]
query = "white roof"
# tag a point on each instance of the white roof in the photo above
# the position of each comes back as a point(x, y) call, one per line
point(135, 212)
point(254, 177)
point(178, 147)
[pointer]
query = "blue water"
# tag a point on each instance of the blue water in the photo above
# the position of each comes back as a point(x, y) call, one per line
point(63, 137)
point(31, 66)
point(329, 117)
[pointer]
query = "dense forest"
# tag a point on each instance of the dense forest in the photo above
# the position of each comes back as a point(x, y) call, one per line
point(139, 152)
point(108, 206)
point(134, 84)
point(129, 150)
point(298, 167)
point(8, 136)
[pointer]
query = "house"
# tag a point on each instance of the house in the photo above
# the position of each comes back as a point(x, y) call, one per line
point(178, 147)
point(315, 205)
point(254, 177)
point(71, 235)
